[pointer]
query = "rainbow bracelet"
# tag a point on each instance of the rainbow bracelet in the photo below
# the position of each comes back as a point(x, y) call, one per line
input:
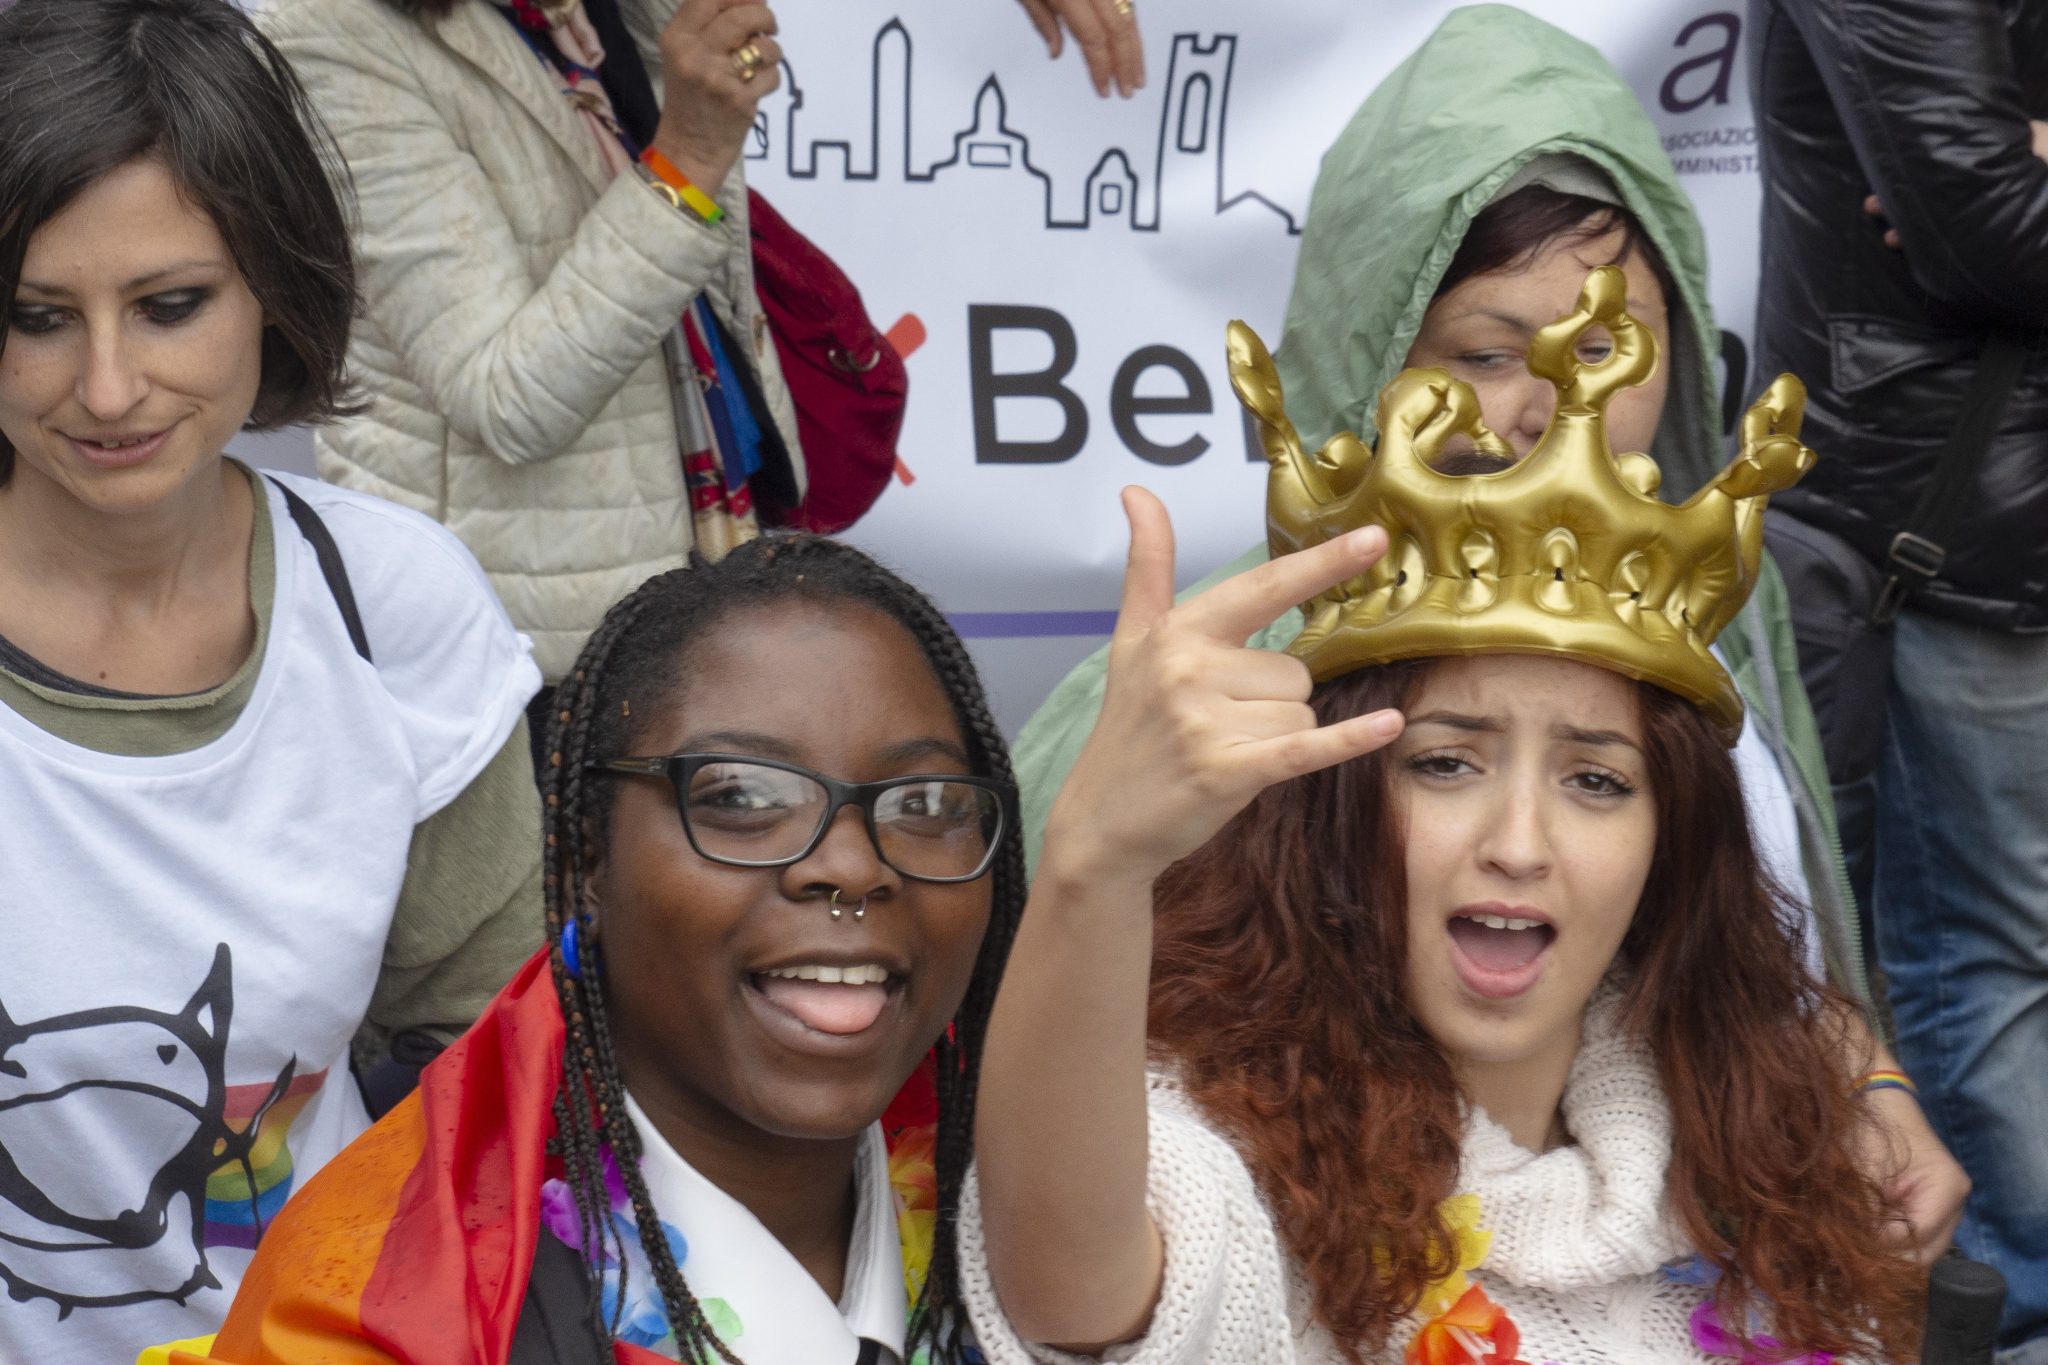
point(1889, 1080)
point(666, 174)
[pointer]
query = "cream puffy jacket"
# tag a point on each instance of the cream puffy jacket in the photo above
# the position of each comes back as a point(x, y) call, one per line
point(514, 351)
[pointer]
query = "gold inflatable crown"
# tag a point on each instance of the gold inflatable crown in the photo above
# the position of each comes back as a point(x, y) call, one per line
point(1568, 551)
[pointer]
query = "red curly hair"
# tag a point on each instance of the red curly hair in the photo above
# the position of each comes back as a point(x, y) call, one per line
point(1349, 1117)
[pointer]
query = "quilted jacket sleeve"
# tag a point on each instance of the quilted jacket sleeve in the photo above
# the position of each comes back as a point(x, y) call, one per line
point(518, 364)
point(1928, 94)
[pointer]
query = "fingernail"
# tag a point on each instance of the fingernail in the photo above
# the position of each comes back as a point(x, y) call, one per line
point(1363, 539)
point(1388, 723)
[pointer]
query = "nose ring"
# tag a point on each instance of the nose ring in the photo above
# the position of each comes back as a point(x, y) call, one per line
point(860, 911)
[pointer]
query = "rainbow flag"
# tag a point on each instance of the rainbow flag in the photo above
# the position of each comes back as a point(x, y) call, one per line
point(415, 1243)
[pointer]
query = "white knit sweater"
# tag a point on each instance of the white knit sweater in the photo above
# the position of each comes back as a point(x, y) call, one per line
point(1579, 1234)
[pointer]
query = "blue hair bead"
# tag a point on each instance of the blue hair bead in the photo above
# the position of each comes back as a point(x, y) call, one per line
point(571, 948)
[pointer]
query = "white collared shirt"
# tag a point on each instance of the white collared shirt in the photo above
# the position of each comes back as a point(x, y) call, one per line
point(746, 1278)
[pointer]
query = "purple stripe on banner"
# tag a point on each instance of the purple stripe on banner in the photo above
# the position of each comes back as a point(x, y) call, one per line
point(1025, 625)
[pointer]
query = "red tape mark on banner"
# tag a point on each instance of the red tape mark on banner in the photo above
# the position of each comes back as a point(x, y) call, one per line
point(906, 335)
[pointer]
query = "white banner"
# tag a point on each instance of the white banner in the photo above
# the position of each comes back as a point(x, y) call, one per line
point(1060, 268)
point(1069, 263)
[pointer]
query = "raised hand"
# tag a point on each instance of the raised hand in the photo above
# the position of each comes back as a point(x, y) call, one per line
point(1193, 724)
point(718, 58)
point(1107, 31)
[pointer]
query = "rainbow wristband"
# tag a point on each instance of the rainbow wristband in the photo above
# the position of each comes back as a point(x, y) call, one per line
point(665, 171)
point(1889, 1080)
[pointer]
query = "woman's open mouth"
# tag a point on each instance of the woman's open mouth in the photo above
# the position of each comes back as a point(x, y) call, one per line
point(827, 1008)
point(1498, 952)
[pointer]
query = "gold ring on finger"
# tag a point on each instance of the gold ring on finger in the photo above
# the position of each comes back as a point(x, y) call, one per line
point(746, 63)
point(1125, 8)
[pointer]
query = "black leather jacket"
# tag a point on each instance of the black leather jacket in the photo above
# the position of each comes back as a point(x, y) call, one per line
point(1926, 104)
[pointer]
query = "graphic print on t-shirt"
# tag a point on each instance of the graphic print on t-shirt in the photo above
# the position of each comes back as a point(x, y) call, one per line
point(78, 1236)
point(244, 1194)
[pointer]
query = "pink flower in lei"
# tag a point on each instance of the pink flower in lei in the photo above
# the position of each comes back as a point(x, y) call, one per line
point(1714, 1339)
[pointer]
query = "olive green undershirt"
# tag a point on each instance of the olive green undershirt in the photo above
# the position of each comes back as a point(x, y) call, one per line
point(469, 911)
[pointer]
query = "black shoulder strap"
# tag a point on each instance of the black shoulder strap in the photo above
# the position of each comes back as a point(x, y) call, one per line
point(331, 568)
point(1919, 550)
point(554, 1326)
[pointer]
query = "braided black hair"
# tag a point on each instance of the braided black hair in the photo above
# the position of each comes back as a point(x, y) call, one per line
point(628, 669)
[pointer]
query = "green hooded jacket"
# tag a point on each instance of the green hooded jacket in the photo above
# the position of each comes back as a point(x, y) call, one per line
point(1490, 90)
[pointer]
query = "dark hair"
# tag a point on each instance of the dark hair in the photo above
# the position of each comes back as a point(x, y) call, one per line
point(1507, 232)
point(1348, 1113)
point(627, 672)
point(432, 9)
point(88, 86)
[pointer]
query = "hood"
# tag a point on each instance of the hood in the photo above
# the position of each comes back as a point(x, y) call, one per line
point(1489, 91)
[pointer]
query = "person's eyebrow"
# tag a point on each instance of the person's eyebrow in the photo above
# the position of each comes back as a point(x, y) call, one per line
point(139, 282)
point(1489, 725)
point(765, 745)
point(1519, 324)
point(739, 742)
point(1573, 734)
point(1638, 307)
point(928, 746)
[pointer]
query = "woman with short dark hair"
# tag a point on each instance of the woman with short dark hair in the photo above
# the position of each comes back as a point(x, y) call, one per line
point(263, 766)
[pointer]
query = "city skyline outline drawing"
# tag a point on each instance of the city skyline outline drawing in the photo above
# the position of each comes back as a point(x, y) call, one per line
point(1182, 175)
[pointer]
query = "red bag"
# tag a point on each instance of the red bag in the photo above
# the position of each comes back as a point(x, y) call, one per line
point(847, 381)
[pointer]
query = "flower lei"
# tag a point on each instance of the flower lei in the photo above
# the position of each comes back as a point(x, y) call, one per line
point(1712, 1336)
point(1461, 1325)
point(642, 1319)
point(914, 1177)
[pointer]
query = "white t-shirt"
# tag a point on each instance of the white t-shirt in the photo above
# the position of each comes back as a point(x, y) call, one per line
point(192, 940)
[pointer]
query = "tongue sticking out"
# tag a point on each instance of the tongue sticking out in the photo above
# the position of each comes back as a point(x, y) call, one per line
point(825, 1006)
point(1499, 950)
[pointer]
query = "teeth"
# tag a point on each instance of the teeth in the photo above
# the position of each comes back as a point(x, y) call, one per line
point(1503, 922)
point(865, 974)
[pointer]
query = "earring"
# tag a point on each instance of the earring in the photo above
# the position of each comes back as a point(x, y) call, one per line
point(571, 947)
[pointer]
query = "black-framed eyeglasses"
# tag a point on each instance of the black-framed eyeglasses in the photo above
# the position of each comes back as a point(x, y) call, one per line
point(761, 812)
